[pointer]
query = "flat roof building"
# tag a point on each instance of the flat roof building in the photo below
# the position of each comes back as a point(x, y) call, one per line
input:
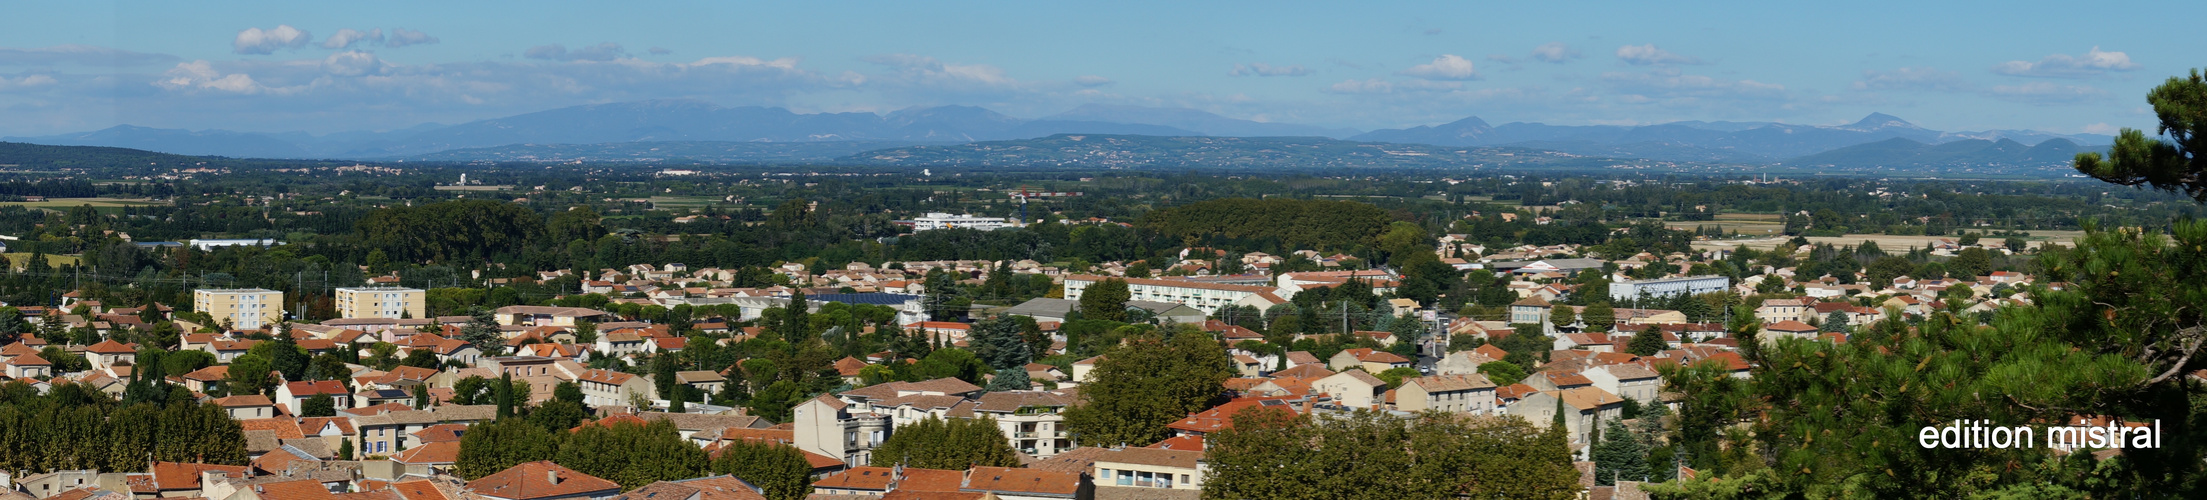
point(380, 302)
point(1624, 292)
point(241, 308)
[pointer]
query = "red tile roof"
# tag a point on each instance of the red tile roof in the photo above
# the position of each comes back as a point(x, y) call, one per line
point(1010, 480)
point(542, 479)
point(183, 476)
point(441, 452)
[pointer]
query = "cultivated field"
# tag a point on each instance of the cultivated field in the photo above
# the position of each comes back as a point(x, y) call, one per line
point(103, 205)
point(17, 259)
point(1747, 224)
point(1890, 243)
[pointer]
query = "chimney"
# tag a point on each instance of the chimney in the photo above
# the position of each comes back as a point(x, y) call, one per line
point(551, 476)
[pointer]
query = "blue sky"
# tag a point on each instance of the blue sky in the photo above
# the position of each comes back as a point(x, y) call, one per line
point(283, 66)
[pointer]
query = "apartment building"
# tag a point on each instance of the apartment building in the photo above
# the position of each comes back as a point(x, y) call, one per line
point(1206, 297)
point(380, 302)
point(242, 308)
point(1629, 291)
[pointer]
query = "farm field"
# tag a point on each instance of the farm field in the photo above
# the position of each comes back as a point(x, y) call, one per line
point(16, 259)
point(103, 205)
point(1890, 243)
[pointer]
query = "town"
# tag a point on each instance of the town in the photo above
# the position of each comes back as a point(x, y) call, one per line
point(517, 343)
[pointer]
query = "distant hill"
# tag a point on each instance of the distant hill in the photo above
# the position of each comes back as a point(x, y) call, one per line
point(1199, 122)
point(48, 156)
point(677, 152)
point(1268, 153)
point(1901, 153)
point(1743, 142)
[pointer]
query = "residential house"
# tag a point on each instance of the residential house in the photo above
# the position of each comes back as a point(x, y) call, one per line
point(1033, 421)
point(294, 395)
point(1149, 468)
point(612, 388)
point(1027, 484)
point(1585, 409)
point(546, 315)
point(1627, 380)
point(1450, 393)
point(246, 407)
point(1353, 388)
point(542, 481)
point(1776, 310)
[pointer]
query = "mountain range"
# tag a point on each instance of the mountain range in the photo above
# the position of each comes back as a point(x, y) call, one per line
point(1742, 142)
point(705, 132)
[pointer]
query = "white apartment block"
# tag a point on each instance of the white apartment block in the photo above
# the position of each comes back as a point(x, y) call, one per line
point(380, 302)
point(244, 309)
point(1624, 292)
point(1206, 297)
point(939, 220)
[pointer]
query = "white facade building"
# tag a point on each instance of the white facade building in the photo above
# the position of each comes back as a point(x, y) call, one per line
point(1206, 297)
point(939, 220)
point(1623, 292)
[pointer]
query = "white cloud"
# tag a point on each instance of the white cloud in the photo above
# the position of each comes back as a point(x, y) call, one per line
point(1555, 52)
point(1369, 86)
point(1648, 54)
point(345, 38)
point(1446, 67)
point(201, 75)
point(603, 52)
point(923, 71)
point(1671, 83)
point(2047, 93)
point(401, 37)
point(1378, 86)
point(25, 82)
point(1091, 81)
point(84, 55)
point(2093, 63)
point(352, 63)
point(1912, 78)
point(259, 41)
point(1262, 69)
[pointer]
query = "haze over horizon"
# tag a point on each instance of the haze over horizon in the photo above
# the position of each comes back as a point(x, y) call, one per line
point(280, 67)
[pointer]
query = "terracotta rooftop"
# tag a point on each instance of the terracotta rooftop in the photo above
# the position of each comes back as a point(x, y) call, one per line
point(543, 479)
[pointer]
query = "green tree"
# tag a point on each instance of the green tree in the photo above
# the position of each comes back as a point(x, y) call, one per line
point(1270, 453)
point(489, 447)
point(319, 405)
point(1620, 456)
point(1010, 379)
point(1835, 322)
point(1393, 376)
point(1648, 342)
point(1148, 382)
point(1598, 317)
point(1971, 262)
point(1105, 300)
point(779, 470)
point(345, 449)
point(1564, 316)
point(999, 343)
point(249, 374)
point(482, 331)
point(2173, 164)
point(558, 415)
point(954, 444)
point(1502, 372)
point(631, 454)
